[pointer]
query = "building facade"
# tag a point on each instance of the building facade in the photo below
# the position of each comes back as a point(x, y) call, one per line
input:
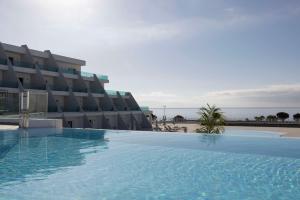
point(78, 98)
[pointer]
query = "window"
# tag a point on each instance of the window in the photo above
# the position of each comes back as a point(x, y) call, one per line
point(21, 80)
point(11, 59)
point(91, 122)
point(70, 124)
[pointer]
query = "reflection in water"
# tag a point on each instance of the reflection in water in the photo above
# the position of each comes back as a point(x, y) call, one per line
point(210, 139)
point(41, 152)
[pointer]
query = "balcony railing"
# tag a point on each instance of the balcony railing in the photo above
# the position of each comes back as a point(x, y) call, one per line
point(84, 90)
point(69, 71)
point(144, 108)
point(103, 77)
point(96, 90)
point(86, 74)
point(89, 108)
point(58, 88)
point(3, 61)
point(111, 92)
point(122, 93)
point(49, 68)
point(90, 75)
point(114, 92)
point(11, 84)
point(23, 64)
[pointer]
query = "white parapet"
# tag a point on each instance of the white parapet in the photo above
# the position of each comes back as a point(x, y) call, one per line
point(36, 123)
point(45, 123)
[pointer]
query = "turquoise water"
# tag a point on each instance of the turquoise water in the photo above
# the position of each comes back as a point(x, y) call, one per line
point(95, 164)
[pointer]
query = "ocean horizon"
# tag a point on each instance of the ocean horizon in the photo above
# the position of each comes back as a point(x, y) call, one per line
point(231, 113)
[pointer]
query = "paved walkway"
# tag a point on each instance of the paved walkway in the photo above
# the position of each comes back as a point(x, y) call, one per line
point(8, 127)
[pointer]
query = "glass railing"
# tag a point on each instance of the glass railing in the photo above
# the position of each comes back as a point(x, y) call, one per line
point(23, 64)
point(68, 71)
point(89, 108)
point(86, 74)
point(3, 61)
point(12, 84)
point(111, 92)
point(144, 108)
point(103, 77)
point(96, 90)
point(49, 68)
point(90, 75)
point(58, 88)
point(114, 92)
point(84, 90)
point(122, 93)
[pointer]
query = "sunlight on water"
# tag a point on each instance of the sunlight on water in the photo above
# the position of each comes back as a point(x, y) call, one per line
point(95, 164)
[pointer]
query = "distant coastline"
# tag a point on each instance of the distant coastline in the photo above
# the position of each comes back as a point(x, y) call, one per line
point(231, 113)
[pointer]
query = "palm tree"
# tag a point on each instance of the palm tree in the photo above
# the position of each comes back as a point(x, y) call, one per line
point(296, 117)
point(283, 116)
point(211, 120)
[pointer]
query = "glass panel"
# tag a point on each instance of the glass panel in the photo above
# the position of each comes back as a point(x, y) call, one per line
point(23, 64)
point(86, 74)
point(144, 108)
point(122, 93)
point(111, 92)
point(103, 77)
point(3, 62)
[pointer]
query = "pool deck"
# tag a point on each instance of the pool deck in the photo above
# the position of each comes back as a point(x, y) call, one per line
point(8, 127)
point(283, 131)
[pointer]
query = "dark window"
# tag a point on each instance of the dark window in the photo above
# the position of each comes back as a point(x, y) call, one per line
point(70, 124)
point(11, 59)
point(21, 80)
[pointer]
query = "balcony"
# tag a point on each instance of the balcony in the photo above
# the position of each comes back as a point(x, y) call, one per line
point(58, 87)
point(103, 77)
point(91, 75)
point(31, 86)
point(18, 64)
point(86, 74)
point(82, 90)
point(49, 68)
point(90, 109)
point(145, 108)
point(23, 64)
point(114, 92)
point(111, 92)
point(3, 62)
point(10, 84)
point(96, 90)
point(68, 71)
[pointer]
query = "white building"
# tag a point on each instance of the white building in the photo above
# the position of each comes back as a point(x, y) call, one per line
point(77, 97)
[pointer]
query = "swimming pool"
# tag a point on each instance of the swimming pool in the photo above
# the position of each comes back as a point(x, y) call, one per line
point(97, 164)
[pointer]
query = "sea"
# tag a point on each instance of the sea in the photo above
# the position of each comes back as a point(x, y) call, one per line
point(231, 113)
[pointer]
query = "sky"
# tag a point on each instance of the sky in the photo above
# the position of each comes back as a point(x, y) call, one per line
point(178, 53)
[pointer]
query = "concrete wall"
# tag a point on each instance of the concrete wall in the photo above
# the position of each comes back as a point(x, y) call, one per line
point(26, 77)
point(16, 56)
point(49, 79)
point(69, 82)
point(39, 60)
point(77, 122)
point(59, 101)
point(36, 123)
point(113, 120)
point(65, 65)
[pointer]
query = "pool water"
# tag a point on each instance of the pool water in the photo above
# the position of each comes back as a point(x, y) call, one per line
point(97, 164)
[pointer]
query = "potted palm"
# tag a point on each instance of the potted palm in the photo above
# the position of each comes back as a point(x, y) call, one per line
point(211, 120)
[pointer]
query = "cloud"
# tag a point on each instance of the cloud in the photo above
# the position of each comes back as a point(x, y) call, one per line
point(285, 95)
point(265, 91)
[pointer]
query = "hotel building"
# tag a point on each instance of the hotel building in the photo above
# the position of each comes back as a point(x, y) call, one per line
point(78, 98)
